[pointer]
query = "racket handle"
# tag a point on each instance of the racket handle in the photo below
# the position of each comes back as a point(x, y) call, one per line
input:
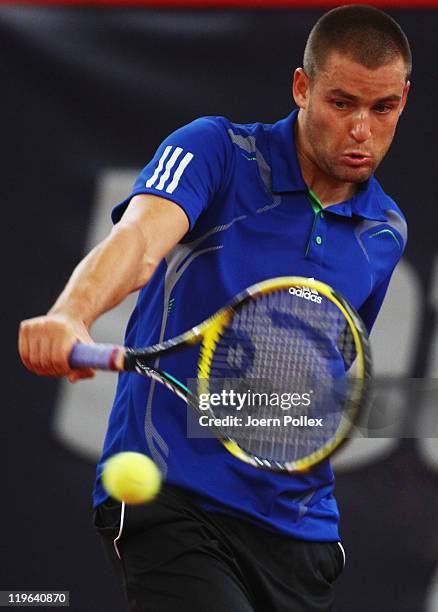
point(97, 356)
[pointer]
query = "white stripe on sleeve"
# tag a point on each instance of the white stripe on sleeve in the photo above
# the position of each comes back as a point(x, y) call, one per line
point(159, 168)
point(170, 164)
point(178, 172)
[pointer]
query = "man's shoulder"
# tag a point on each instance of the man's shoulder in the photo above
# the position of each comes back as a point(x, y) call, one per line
point(222, 127)
point(386, 202)
point(395, 217)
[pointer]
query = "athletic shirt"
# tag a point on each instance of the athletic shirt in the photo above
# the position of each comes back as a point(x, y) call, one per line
point(252, 217)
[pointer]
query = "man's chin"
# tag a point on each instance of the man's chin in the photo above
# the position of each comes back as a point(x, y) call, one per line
point(353, 175)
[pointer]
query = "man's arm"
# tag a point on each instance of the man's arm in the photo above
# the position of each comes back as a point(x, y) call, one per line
point(150, 227)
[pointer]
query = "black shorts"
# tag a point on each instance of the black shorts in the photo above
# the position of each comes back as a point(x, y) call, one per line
point(172, 556)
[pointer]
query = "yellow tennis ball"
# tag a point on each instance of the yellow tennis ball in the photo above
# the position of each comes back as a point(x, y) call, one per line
point(131, 477)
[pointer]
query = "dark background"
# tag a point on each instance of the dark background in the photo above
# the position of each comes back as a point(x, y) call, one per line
point(88, 89)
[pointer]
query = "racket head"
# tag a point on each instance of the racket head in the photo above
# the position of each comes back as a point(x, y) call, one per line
point(295, 332)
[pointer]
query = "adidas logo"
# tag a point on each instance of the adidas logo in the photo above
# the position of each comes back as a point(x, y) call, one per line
point(167, 174)
point(306, 293)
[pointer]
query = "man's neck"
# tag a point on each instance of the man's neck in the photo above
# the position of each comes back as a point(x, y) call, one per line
point(329, 190)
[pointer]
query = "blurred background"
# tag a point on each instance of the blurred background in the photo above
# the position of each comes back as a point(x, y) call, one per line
point(88, 93)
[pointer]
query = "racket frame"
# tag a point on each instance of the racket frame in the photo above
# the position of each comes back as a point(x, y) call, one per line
point(209, 332)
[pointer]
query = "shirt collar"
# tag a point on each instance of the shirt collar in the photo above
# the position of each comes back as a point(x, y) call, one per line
point(286, 171)
point(286, 175)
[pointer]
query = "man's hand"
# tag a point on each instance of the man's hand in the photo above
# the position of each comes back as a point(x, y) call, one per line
point(45, 343)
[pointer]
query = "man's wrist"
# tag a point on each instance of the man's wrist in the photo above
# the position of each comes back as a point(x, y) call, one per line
point(73, 310)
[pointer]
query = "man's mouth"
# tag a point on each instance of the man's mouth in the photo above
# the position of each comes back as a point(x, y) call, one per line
point(355, 158)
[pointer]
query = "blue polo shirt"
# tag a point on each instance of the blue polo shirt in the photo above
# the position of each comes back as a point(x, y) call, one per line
point(251, 217)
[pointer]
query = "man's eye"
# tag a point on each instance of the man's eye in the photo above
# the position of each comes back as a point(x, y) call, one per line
point(340, 104)
point(382, 108)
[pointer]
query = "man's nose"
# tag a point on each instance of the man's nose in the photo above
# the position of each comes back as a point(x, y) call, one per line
point(361, 129)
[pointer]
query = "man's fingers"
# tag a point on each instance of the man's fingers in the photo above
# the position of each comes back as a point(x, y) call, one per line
point(34, 354)
point(59, 357)
point(45, 344)
point(45, 355)
point(23, 345)
point(76, 375)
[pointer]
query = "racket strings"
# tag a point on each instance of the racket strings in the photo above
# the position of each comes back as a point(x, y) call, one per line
point(286, 358)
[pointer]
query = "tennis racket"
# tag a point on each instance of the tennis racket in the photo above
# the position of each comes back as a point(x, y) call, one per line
point(283, 349)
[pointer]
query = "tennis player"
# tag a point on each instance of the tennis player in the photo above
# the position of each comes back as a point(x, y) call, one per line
point(220, 207)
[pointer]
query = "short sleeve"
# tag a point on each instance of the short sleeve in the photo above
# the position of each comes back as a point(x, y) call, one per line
point(370, 309)
point(384, 253)
point(188, 168)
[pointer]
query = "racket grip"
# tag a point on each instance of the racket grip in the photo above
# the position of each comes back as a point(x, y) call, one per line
point(96, 356)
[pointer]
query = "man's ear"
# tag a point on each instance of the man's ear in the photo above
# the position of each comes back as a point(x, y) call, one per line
point(405, 96)
point(300, 88)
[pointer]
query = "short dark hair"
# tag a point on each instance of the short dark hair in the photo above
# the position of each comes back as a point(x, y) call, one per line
point(366, 34)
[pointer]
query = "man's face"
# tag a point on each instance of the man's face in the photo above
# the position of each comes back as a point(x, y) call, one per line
point(348, 115)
